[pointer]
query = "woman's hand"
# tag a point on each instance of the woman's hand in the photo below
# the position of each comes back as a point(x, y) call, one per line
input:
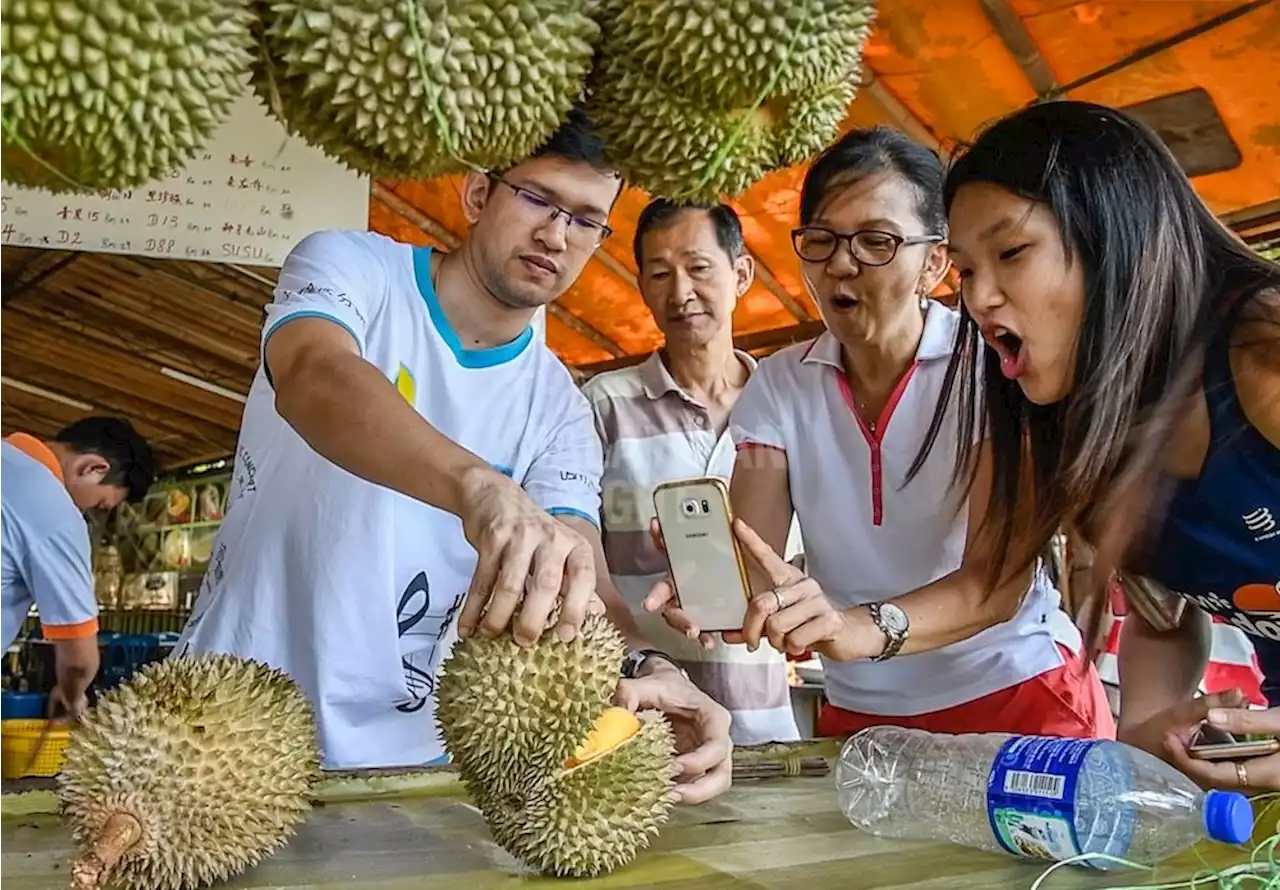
point(1248, 775)
point(1169, 733)
point(795, 616)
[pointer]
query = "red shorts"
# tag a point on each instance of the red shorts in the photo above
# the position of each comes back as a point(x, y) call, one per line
point(1068, 702)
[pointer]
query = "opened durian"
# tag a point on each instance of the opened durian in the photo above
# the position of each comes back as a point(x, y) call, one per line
point(424, 87)
point(189, 772)
point(102, 94)
point(567, 783)
point(700, 99)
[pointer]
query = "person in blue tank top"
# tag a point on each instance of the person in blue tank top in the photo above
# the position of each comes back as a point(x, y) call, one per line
point(1132, 396)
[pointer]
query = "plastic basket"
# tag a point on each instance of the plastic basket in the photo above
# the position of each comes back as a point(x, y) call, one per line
point(18, 741)
point(23, 705)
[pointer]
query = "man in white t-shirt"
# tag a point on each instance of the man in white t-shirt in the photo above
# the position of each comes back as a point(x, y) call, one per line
point(411, 460)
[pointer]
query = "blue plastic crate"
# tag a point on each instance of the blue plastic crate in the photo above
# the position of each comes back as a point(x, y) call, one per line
point(23, 705)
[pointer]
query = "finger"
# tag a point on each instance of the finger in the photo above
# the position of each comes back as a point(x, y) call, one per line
point(595, 605)
point(796, 614)
point(733, 637)
point(655, 532)
point(510, 584)
point(626, 695)
point(1239, 720)
point(547, 580)
point(487, 563)
point(710, 784)
point(679, 621)
point(758, 611)
point(815, 632)
point(711, 750)
point(1186, 716)
point(778, 570)
point(1205, 773)
point(579, 590)
point(762, 607)
point(660, 595)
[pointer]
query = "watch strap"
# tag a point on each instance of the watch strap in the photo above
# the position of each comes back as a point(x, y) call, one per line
point(636, 658)
point(894, 640)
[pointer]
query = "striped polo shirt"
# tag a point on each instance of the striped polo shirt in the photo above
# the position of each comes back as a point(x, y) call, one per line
point(653, 432)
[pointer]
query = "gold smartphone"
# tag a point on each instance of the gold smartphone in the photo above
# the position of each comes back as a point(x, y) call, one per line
point(706, 562)
point(1211, 743)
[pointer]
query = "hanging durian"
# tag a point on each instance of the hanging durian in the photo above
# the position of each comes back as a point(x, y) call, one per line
point(700, 99)
point(101, 94)
point(567, 783)
point(189, 772)
point(418, 88)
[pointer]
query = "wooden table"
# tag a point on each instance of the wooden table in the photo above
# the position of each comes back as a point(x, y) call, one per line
point(771, 834)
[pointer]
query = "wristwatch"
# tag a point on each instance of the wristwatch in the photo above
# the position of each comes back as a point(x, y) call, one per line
point(894, 624)
point(635, 660)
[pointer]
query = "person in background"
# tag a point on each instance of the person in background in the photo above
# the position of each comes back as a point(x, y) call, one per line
point(894, 596)
point(667, 418)
point(1133, 376)
point(95, 464)
point(413, 466)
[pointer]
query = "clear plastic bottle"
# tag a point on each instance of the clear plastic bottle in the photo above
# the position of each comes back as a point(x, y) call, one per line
point(1030, 796)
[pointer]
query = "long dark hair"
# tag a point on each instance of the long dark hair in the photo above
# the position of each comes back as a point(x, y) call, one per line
point(1162, 278)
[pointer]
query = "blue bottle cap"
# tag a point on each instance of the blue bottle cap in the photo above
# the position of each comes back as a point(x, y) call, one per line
point(1228, 817)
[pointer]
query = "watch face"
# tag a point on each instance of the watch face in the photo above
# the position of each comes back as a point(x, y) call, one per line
point(893, 617)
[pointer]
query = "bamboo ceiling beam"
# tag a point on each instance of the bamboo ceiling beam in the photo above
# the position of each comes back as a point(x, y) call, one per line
point(112, 331)
point(36, 270)
point(766, 277)
point(167, 269)
point(1018, 40)
point(73, 382)
point(899, 114)
point(424, 222)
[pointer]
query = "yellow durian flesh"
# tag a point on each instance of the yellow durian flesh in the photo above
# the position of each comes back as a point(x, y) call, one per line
point(613, 728)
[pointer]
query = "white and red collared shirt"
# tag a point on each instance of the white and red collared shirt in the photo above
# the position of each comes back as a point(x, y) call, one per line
point(870, 536)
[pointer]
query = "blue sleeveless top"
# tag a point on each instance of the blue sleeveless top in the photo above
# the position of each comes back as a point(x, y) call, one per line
point(1219, 546)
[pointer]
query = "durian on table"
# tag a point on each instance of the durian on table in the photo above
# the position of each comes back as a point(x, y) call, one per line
point(700, 99)
point(189, 772)
point(567, 783)
point(101, 94)
point(421, 88)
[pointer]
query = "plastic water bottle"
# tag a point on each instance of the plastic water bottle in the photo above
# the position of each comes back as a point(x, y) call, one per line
point(1033, 797)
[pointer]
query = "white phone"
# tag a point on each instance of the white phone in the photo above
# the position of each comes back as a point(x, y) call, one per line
point(706, 562)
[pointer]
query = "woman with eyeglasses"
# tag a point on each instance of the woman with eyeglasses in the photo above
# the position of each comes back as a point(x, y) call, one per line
point(892, 596)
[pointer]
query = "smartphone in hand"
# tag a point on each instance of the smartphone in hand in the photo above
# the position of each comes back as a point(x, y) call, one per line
point(707, 567)
point(1211, 743)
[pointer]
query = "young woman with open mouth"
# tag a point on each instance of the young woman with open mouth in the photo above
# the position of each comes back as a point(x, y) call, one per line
point(895, 606)
point(1133, 374)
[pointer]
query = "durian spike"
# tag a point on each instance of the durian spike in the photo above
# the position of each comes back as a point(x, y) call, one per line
point(118, 835)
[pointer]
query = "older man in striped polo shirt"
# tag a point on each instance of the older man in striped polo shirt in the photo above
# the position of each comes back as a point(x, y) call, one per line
point(666, 419)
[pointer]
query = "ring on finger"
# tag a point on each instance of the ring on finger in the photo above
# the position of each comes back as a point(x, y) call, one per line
point(1242, 774)
point(777, 595)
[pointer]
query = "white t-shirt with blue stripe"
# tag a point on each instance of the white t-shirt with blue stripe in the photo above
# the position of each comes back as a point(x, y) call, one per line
point(350, 587)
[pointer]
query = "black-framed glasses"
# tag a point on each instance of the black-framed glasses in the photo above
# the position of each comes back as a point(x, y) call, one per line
point(582, 231)
point(870, 247)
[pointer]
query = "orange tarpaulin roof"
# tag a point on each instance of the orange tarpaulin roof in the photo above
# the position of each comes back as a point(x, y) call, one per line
point(940, 71)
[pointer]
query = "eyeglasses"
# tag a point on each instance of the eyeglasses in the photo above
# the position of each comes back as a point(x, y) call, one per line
point(870, 247)
point(582, 232)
